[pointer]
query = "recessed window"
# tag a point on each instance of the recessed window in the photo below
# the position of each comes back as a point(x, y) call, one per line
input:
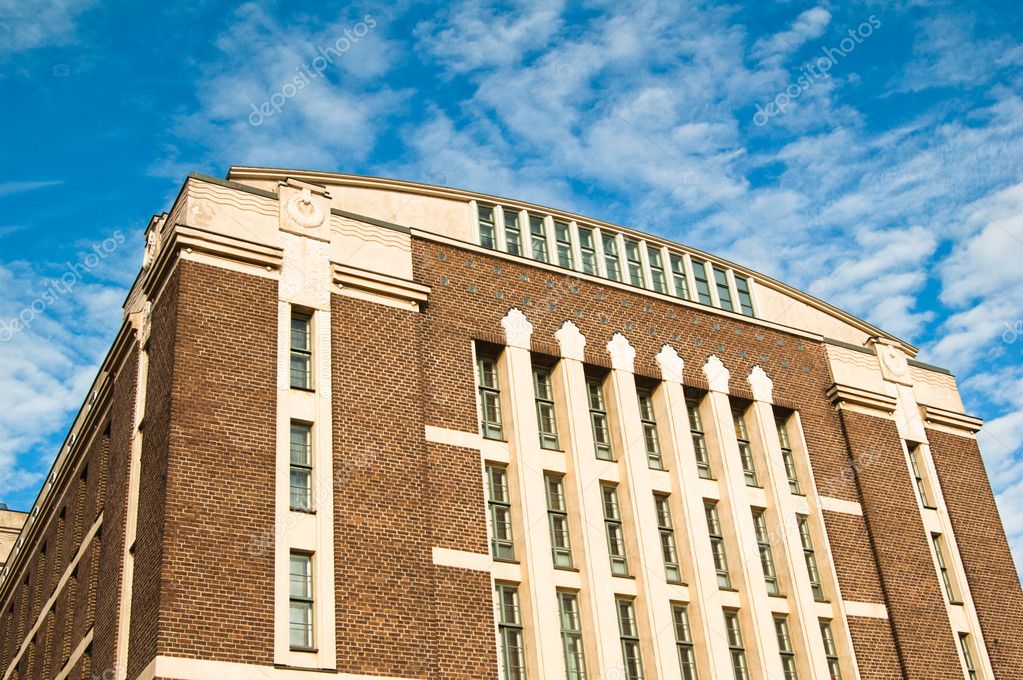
point(916, 465)
point(964, 645)
point(488, 230)
point(563, 241)
point(702, 282)
point(669, 552)
point(717, 544)
point(650, 440)
point(764, 545)
point(613, 527)
point(301, 467)
point(301, 351)
point(490, 397)
point(786, 456)
point(724, 293)
point(611, 263)
point(678, 276)
point(509, 625)
point(598, 419)
point(939, 555)
point(543, 391)
point(657, 279)
point(571, 635)
point(745, 298)
point(512, 232)
point(587, 250)
point(634, 263)
point(788, 654)
point(745, 450)
point(301, 599)
point(736, 649)
point(628, 632)
point(499, 510)
point(557, 520)
point(830, 650)
point(810, 558)
point(684, 641)
point(538, 238)
point(699, 439)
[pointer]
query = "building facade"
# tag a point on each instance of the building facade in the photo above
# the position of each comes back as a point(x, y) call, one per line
point(362, 428)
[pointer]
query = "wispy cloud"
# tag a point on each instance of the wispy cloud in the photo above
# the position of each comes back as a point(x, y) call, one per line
point(10, 188)
point(28, 25)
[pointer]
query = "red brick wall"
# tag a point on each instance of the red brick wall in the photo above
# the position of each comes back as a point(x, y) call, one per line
point(218, 568)
point(990, 570)
point(909, 578)
point(876, 657)
point(853, 556)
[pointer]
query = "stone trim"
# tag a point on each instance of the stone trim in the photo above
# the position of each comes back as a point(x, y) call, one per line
point(845, 396)
point(960, 423)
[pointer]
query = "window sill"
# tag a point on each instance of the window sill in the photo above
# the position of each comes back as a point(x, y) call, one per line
point(566, 568)
point(551, 449)
point(956, 603)
point(305, 650)
point(822, 600)
point(729, 589)
point(494, 439)
point(505, 560)
point(930, 507)
point(677, 583)
point(309, 390)
point(304, 511)
point(778, 595)
point(628, 576)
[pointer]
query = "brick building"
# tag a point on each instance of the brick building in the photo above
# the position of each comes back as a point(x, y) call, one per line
point(355, 427)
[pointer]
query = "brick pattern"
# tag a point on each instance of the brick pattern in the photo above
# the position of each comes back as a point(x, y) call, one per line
point(876, 657)
point(990, 570)
point(853, 557)
point(909, 578)
point(217, 588)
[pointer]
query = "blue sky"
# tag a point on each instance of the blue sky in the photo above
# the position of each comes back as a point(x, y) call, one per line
point(869, 152)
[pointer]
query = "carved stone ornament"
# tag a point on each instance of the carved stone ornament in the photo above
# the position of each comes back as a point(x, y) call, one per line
point(761, 385)
point(894, 360)
point(717, 374)
point(517, 329)
point(671, 364)
point(303, 211)
point(623, 354)
point(572, 341)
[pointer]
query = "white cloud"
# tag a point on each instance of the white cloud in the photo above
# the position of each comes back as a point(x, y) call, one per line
point(808, 25)
point(29, 25)
point(9, 188)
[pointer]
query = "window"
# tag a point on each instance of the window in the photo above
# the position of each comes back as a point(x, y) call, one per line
point(964, 645)
point(672, 571)
point(745, 298)
point(702, 283)
point(657, 280)
point(811, 559)
point(301, 467)
point(788, 654)
point(499, 506)
point(766, 557)
point(634, 263)
point(650, 442)
point(545, 418)
point(786, 456)
point(946, 578)
point(613, 526)
point(678, 275)
point(538, 238)
point(571, 636)
point(830, 651)
point(587, 251)
point(611, 264)
point(509, 627)
point(490, 398)
point(301, 596)
point(684, 641)
point(717, 545)
point(915, 456)
point(301, 351)
point(563, 241)
point(699, 441)
point(488, 230)
point(598, 419)
point(745, 450)
point(724, 293)
point(735, 647)
point(512, 232)
point(628, 632)
point(557, 517)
